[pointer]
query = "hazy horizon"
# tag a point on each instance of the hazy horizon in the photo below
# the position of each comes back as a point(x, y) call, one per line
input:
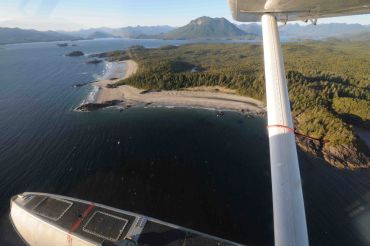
point(42, 26)
point(73, 15)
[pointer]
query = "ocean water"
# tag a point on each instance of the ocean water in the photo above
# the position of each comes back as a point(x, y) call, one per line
point(185, 166)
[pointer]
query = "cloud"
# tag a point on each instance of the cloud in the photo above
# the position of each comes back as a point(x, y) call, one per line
point(22, 5)
point(37, 8)
point(46, 8)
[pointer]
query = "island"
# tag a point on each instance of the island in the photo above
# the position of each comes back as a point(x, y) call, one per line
point(75, 53)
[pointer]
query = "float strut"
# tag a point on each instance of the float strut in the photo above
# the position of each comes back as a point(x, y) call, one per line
point(290, 227)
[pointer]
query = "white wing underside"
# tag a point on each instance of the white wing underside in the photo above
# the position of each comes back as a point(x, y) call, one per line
point(293, 10)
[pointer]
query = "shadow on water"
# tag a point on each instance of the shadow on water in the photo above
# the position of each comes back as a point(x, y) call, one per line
point(337, 203)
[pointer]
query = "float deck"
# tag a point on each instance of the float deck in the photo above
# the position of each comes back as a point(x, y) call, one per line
point(79, 222)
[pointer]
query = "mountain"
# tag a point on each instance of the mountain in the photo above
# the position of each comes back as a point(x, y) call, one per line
point(124, 32)
point(87, 33)
point(132, 32)
point(206, 27)
point(252, 28)
point(322, 31)
point(361, 36)
point(99, 34)
point(40, 23)
point(16, 35)
point(200, 28)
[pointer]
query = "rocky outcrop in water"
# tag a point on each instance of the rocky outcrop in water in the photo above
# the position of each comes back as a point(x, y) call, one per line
point(345, 157)
point(63, 45)
point(95, 106)
point(81, 84)
point(94, 61)
point(78, 85)
point(339, 156)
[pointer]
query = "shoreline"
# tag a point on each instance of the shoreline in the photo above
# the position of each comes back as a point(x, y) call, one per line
point(108, 94)
point(125, 96)
point(214, 98)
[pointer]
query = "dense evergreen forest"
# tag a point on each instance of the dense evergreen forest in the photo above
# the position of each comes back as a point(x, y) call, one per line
point(329, 82)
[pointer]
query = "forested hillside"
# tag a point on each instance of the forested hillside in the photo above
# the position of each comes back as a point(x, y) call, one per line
point(329, 84)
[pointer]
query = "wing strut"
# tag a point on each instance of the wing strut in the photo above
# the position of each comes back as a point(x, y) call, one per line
point(289, 214)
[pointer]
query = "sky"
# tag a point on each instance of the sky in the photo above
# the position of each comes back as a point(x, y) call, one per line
point(77, 14)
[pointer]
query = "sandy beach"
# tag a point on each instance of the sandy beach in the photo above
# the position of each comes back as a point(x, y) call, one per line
point(217, 98)
point(109, 94)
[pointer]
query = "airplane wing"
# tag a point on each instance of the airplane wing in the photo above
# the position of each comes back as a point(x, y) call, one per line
point(290, 226)
point(293, 10)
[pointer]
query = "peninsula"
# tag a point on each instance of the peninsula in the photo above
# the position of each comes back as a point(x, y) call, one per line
point(208, 97)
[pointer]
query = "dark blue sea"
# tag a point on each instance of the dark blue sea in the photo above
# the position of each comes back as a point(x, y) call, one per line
point(185, 166)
